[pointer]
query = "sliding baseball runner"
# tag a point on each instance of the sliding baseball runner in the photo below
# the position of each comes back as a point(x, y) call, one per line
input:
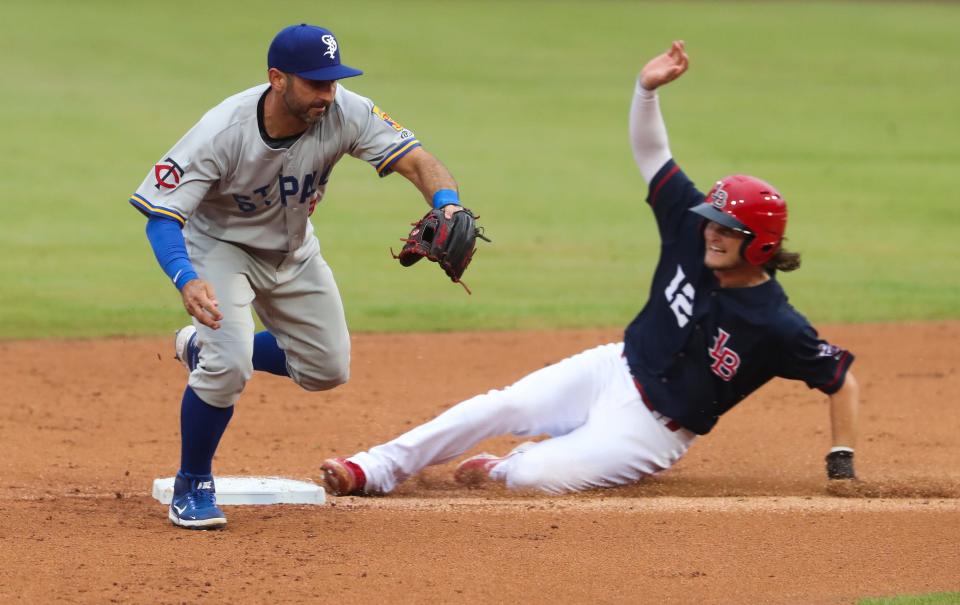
point(716, 327)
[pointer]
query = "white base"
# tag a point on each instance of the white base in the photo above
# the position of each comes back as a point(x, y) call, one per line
point(252, 490)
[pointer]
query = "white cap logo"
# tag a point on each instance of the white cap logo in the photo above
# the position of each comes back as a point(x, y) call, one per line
point(331, 43)
point(719, 197)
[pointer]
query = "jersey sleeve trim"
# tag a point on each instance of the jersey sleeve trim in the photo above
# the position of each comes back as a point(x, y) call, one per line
point(658, 183)
point(837, 381)
point(147, 209)
point(405, 147)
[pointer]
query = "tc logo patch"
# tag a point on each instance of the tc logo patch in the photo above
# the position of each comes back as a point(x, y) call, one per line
point(331, 43)
point(726, 362)
point(167, 175)
point(719, 198)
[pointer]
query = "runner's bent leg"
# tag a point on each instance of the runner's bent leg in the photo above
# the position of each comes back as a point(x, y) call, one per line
point(554, 400)
point(620, 443)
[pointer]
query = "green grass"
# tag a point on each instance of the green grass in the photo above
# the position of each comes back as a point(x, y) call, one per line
point(850, 108)
point(940, 598)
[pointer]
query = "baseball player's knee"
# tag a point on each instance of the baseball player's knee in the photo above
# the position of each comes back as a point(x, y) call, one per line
point(333, 373)
point(532, 472)
point(220, 379)
point(322, 383)
point(217, 399)
point(320, 368)
point(526, 477)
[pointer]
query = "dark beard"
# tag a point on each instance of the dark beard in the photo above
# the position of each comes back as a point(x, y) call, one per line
point(302, 112)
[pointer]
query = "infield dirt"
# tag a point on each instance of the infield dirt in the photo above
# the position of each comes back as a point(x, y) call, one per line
point(745, 517)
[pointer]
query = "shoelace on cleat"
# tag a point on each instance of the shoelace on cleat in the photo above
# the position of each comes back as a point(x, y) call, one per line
point(202, 498)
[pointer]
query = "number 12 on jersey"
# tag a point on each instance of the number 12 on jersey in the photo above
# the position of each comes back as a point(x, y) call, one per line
point(681, 302)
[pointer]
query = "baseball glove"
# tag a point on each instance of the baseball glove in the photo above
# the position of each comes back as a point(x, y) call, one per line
point(447, 242)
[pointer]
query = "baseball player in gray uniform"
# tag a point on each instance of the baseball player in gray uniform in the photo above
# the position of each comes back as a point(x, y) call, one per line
point(228, 212)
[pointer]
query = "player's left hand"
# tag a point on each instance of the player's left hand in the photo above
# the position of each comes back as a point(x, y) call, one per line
point(840, 465)
point(450, 209)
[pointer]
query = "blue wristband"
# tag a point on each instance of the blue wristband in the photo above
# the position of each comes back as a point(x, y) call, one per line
point(445, 197)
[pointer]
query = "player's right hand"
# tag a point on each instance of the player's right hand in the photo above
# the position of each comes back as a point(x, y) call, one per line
point(665, 68)
point(200, 302)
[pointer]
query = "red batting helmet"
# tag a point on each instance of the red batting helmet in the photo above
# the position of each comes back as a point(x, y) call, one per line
point(751, 206)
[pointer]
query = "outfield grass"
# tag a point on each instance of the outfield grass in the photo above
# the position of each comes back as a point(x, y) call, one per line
point(850, 108)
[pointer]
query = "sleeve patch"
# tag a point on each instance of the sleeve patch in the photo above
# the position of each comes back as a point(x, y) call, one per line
point(390, 121)
point(167, 174)
point(844, 360)
point(826, 349)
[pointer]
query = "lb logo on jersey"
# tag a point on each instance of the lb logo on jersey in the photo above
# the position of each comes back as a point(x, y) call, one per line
point(167, 175)
point(719, 197)
point(726, 362)
point(386, 118)
point(331, 43)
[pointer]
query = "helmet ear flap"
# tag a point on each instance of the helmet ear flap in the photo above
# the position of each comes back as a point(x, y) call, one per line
point(757, 253)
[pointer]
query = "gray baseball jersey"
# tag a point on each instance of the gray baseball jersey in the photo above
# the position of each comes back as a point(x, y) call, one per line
point(224, 181)
point(228, 183)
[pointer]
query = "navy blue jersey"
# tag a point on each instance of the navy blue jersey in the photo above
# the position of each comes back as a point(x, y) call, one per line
point(697, 349)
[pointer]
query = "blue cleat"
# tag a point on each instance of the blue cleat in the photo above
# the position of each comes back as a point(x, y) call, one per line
point(194, 503)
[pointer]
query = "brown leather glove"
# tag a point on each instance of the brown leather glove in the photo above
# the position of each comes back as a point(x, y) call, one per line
point(449, 242)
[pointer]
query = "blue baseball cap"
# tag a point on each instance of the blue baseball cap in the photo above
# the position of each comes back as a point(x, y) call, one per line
point(310, 52)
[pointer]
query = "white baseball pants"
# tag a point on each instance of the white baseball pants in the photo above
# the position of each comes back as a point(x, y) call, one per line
point(603, 433)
